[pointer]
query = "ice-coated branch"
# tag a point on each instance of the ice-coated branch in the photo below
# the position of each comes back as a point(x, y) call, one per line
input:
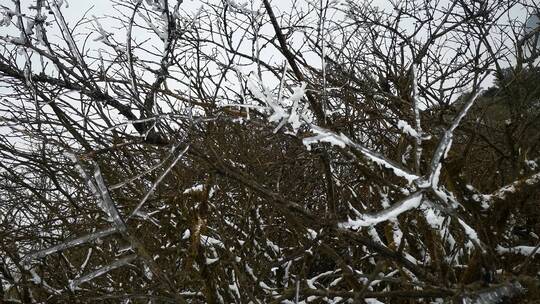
point(55, 6)
point(101, 271)
point(71, 243)
point(493, 295)
point(129, 53)
point(110, 206)
point(104, 37)
point(522, 250)
point(282, 80)
point(100, 192)
point(160, 178)
point(417, 121)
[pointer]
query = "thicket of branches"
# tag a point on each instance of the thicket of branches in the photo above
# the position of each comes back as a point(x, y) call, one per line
point(314, 152)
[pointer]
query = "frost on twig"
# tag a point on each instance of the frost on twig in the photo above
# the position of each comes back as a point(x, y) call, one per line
point(281, 113)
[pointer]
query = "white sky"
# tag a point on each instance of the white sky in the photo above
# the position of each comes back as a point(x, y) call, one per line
point(76, 9)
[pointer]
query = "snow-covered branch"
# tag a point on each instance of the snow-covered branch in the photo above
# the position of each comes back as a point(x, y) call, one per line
point(445, 143)
point(411, 202)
